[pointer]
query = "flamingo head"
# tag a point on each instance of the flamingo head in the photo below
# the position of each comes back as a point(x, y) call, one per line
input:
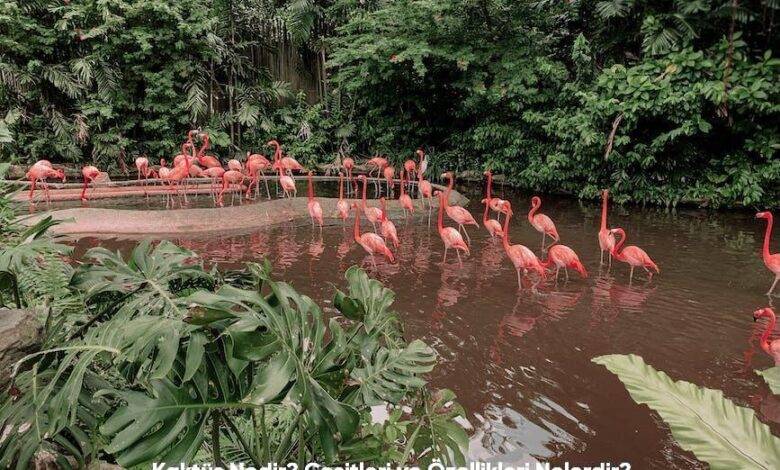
point(60, 174)
point(763, 312)
point(420, 153)
point(272, 143)
point(604, 193)
point(447, 175)
point(191, 134)
point(508, 207)
point(763, 215)
point(487, 173)
point(536, 201)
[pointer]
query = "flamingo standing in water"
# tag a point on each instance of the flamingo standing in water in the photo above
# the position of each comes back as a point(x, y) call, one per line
point(387, 226)
point(606, 238)
point(404, 199)
point(89, 173)
point(460, 215)
point(449, 235)
point(521, 256)
point(424, 188)
point(371, 242)
point(493, 226)
point(564, 257)
point(342, 206)
point(314, 207)
point(287, 183)
point(633, 255)
point(40, 172)
point(496, 204)
point(373, 214)
point(228, 178)
point(542, 223)
point(772, 261)
point(256, 163)
point(770, 347)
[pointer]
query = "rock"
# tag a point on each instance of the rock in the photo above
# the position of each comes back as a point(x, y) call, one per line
point(20, 334)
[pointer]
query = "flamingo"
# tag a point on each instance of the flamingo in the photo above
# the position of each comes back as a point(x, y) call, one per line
point(450, 236)
point(89, 173)
point(215, 173)
point(542, 223)
point(493, 226)
point(41, 171)
point(372, 213)
point(207, 161)
point(257, 163)
point(564, 257)
point(387, 226)
point(342, 206)
point(411, 167)
point(496, 204)
point(235, 165)
point(389, 174)
point(633, 255)
point(287, 183)
point(772, 261)
point(371, 242)
point(287, 164)
point(228, 178)
point(142, 167)
point(521, 256)
point(349, 164)
point(606, 238)
point(770, 347)
point(424, 188)
point(315, 209)
point(404, 199)
point(460, 215)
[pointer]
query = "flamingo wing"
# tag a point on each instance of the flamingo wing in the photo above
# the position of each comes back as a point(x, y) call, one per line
point(638, 257)
point(373, 243)
point(544, 224)
point(461, 215)
point(494, 228)
point(453, 239)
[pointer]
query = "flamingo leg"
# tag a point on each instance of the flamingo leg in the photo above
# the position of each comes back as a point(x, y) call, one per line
point(519, 280)
point(566, 270)
point(601, 262)
point(557, 270)
point(265, 181)
point(444, 259)
point(772, 289)
point(460, 261)
point(631, 276)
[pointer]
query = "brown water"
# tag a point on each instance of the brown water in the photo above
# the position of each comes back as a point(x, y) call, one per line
point(520, 361)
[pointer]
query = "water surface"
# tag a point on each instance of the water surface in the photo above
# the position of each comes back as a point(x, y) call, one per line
point(520, 361)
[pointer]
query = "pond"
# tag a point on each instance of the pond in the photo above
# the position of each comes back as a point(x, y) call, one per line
point(520, 361)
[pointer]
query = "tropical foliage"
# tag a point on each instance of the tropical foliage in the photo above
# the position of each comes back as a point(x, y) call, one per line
point(663, 102)
point(702, 420)
point(170, 362)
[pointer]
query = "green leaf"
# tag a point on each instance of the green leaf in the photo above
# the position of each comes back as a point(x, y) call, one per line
point(772, 378)
point(702, 420)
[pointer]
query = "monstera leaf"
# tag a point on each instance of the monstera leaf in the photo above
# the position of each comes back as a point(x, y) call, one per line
point(772, 378)
point(368, 301)
point(439, 436)
point(150, 274)
point(388, 374)
point(702, 420)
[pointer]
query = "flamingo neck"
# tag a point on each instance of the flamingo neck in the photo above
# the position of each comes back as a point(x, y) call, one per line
point(505, 237)
point(449, 190)
point(341, 187)
point(311, 189)
point(441, 214)
point(770, 327)
point(485, 214)
point(489, 186)
point(365, 183)
point(604, 211)
point(402, 183)
point(534, 208)
point(767, 237)
point(617, 252)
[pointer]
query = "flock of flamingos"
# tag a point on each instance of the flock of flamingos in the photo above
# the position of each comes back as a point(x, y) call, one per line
point(197, 164)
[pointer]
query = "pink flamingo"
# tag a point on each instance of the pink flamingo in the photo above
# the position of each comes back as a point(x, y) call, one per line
point(349, 164)
point(256, 163)
point(449, 235)
point(522, 258)
point(542, 223)
point(342, 206)
point(493, 226)
point(371, 242)
point(315, 209)
point(142, 167)
point(235, 165)
point(228, 178)
point(207, 161)
point(389, 174)
point(387, 226)
point(373, 214)
point(89, 173)
point(606, 238)
point(772, 261)
point(633, 255)
point(287, 183)
point(40, 172)
point(404, 199)
point(379, 164)
point(424, 187)
point(411, 167)
point(287, 164)
point(496, 204)
point(770, 347)
point(215, 173)
point(564, 257)
point(460, 215)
